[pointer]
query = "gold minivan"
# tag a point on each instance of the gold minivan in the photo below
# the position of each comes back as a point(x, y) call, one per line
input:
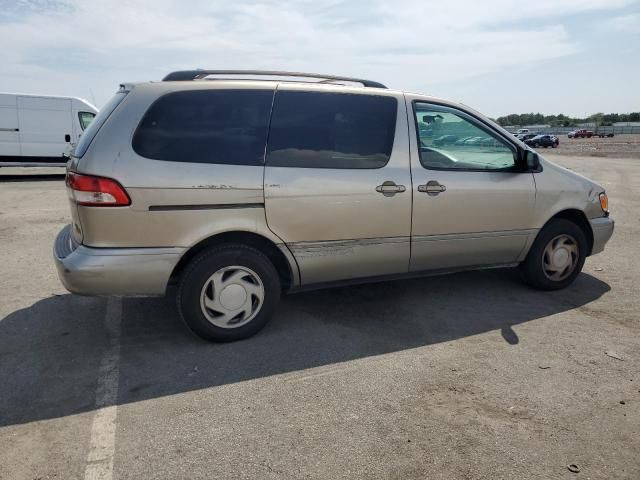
point(239, 189)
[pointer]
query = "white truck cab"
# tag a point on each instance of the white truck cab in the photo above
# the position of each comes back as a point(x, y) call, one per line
point(40, 130)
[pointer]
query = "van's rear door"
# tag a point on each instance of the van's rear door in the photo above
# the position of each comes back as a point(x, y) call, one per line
point(9, 132)
point(44, 125)
point(81, 148)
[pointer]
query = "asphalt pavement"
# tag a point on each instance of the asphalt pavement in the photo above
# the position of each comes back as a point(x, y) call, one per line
point(472, 375)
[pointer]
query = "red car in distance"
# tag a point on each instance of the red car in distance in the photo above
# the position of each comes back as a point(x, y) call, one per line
point(580, 134)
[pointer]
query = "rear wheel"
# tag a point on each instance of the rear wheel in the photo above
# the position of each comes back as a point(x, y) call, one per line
point(228, 293)
point(556, 257)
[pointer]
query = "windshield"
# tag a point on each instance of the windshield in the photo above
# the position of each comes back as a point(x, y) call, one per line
point(95, 123)
point(85, 119)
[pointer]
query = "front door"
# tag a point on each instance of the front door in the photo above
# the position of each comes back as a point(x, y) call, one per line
point(471, 205)
point(337, 182)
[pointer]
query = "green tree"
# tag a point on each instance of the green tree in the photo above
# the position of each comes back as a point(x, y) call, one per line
point(519, 119)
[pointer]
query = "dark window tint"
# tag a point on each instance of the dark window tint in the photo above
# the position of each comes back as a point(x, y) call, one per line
point(206, 126)
point(329, 130)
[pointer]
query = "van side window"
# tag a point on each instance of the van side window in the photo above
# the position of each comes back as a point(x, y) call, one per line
point(206, 126)
point(331, 130)
point(85, 119)
point(451, 140)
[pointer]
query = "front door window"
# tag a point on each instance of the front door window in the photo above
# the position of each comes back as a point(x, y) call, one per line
point(450, 140)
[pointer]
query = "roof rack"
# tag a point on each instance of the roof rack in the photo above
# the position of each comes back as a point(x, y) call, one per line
point(185, 75)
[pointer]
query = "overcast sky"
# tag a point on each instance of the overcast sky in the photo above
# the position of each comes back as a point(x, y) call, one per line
point(571, 56)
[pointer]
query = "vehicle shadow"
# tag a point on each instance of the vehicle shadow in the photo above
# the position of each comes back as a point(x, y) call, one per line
point(50, 352)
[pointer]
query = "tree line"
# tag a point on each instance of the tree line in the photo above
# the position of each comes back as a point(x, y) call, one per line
point(600, 119)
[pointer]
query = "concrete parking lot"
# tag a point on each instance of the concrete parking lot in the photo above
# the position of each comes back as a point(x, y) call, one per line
point(466, 376)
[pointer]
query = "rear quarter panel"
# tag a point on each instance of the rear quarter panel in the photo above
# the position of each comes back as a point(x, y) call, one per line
point(156, 183)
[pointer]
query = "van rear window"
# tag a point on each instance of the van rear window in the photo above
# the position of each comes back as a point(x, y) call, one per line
point(206, 126)
point(88, 135)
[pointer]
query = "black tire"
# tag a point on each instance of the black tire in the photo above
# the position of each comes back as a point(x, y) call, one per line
point(532, 267)
point(198, 273)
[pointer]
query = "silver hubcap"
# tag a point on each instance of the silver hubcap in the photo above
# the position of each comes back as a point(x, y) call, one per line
point(232, 297)
point(560, 257)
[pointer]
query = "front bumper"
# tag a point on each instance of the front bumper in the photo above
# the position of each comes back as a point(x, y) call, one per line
point(113, 271)
point(602, 230)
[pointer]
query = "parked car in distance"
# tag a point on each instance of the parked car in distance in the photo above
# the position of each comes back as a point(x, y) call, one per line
point(582, 133)
point(543, 141)
point(236, 191)
point(445, 140)
point(522, 131)
point(40, 130)
point(462, 140)
point(474, 141)
point(526, 136)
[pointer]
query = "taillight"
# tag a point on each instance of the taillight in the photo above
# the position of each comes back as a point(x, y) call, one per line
point(96, 191)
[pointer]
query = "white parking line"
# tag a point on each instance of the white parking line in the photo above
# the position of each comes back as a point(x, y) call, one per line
point(103, 430)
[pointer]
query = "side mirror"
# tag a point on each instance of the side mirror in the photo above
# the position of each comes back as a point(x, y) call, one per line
point(67, 138)
point(531, 161)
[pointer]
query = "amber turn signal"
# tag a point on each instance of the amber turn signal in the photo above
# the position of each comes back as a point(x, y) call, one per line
point(604, 202)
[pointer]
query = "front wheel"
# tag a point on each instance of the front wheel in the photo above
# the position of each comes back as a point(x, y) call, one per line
point(556, 257)
point(228, 293)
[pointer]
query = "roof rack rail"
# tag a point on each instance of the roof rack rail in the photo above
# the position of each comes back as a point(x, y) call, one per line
point(186, 75)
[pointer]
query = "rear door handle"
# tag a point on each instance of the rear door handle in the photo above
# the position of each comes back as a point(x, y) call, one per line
point(389, 188)
point(432, 188)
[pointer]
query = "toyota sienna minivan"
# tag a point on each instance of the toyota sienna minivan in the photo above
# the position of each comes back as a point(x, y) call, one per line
point(239, 189)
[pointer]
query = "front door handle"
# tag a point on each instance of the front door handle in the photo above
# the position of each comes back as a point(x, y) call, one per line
point(432, 188)
point(389, 188)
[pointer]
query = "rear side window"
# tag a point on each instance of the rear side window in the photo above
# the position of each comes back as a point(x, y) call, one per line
point(87, 136)
point(331, 130)
point(206, 126)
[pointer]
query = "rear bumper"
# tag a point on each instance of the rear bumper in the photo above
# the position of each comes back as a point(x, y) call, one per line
point(602, 230)
point(113, 271)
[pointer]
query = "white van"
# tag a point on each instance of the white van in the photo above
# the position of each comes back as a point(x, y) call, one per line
point(38, 130)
